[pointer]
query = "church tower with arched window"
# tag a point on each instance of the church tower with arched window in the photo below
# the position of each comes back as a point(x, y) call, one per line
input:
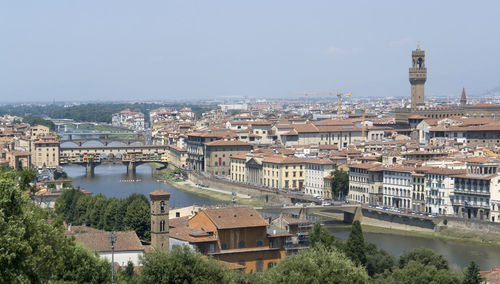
point(159, 219)
point(418, 76)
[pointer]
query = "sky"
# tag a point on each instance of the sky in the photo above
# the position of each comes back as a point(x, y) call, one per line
point(185, 50)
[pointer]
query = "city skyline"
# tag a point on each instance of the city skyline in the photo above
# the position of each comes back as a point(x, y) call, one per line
point(113, 51)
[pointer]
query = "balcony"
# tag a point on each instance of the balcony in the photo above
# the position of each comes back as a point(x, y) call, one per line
point(472, 192)
point(471, 204)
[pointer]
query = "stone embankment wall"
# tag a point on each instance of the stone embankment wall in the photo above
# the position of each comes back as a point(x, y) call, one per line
point(395, 221)
point(253, 191)
point(467, 225)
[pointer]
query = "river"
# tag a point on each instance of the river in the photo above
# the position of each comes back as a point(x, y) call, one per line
point(110, 180)
point(459, 254)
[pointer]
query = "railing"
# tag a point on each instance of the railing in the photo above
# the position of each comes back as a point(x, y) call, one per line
point(472, 192)
point(471, 204)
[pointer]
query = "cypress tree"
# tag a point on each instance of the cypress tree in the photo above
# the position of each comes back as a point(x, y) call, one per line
point(471, 274)
point(355, 247)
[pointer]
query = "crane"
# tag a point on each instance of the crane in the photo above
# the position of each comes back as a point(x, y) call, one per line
point(339, 99)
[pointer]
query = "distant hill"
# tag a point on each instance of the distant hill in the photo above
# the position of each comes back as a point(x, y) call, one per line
point(495, 92)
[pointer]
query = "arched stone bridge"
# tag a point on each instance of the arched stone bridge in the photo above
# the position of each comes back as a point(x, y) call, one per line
point(103, 141)
point(130, 155)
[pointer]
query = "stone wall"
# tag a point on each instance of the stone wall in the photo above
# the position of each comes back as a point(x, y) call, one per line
point(395, 221)
point(252, 191)
point(468, 225)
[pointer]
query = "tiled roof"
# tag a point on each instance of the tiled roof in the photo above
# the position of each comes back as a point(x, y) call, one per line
point(228, 143)
point(159, 192)
point(238, 217)
point(98, 240)
point(295, 221)
point(191, 235)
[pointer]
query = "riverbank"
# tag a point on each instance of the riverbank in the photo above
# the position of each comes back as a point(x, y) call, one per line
point(445, 234)
point(174, 178)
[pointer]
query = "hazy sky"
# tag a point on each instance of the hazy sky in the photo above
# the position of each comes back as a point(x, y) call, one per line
point(148, 50)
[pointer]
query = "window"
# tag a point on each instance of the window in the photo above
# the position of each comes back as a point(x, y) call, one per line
point(241, 262)
point(162, 226)
point(259, 265)
point(177, 214)
point(223, 245)
point(241, 244)
point(260, 243)
point(162, 207)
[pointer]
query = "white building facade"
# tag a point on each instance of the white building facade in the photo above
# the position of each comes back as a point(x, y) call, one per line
point(315, 173)
point(398, 187)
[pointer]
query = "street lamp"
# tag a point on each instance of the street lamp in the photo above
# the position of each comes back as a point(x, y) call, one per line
point(112, 239)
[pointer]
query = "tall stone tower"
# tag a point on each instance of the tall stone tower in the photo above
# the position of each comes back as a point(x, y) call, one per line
point(418, 76)
point(463, 98)
point(159, 219)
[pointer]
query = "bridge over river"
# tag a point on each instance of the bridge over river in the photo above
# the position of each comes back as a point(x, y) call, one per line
point(130, 155)
point(350, 213)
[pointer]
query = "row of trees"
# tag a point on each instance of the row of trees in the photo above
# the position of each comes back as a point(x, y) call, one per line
point(37, 120)
point(110, 214)
point(88, 112)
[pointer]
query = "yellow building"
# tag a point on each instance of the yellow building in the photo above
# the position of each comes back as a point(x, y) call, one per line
point(283, 172)
point(45, 151)
point(177, 156)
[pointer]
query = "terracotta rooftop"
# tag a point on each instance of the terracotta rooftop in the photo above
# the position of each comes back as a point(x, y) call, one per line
point(295, 221)
point(191, 235)
point(159, 192)
point(238, 217)
point(228, 143)
point(98, 240)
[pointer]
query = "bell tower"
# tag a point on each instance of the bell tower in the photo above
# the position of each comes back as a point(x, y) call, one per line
point(418, 76)
point(159, 219)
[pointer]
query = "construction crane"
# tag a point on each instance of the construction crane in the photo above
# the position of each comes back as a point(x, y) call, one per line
point(339, 99)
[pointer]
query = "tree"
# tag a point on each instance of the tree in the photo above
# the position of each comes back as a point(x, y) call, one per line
point(33, 248)
point(180, 265)
point(27, 179)
point(378, 261)
point(138, 218)
point(111, 215)
point(66, 205)
point(416, 273)
point(355, 247)
point(320, 236)
point(340, 183)
point(60, 175)
point(471, 274)
point(379, 159)
point(82, 210)
point(34, 120)
point(129, 270)
point(97, 208)
point(317, 265)
point(424, 256)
